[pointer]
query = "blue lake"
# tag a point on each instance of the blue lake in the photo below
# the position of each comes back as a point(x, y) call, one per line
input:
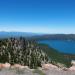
point(61, 45)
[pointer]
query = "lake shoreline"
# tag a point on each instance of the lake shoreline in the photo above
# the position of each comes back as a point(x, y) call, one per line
point(63, 46)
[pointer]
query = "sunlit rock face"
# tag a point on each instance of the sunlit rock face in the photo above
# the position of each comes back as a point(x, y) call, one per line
point(6, 65)
point(72, 68)
point(19, 66)
point(49, 66)
point(73, 62)
point(16, 66)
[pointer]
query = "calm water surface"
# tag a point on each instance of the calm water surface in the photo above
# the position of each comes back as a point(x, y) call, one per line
point(65, 46)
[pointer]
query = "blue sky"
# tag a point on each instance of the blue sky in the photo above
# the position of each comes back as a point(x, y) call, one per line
point(38, 16)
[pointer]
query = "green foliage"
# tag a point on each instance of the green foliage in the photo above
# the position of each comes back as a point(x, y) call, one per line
point(21, 51)
point(29, 52)
point(55, 56)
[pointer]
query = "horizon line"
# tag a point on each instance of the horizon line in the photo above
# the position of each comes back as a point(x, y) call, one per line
point(35, 32)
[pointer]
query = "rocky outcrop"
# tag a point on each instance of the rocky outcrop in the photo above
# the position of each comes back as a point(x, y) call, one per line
point(72, 68)
point(6, 65)
point(49, 66)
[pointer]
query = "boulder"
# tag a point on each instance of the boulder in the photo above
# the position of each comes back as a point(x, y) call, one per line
point(73, 62)
point(72, 68)
point(16, 66)
point(6, 65)
point(49, 66)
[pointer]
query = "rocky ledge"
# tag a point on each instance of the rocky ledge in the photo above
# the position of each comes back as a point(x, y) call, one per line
point(46, 69)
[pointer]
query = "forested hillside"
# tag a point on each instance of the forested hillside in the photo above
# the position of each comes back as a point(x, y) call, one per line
point(55, 56)
point(29, 53)
point(55, 37)
point(21, 51)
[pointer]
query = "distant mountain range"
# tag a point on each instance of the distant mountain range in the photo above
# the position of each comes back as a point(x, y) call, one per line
point(16, 34)
point(37, 36)
point(55, 37)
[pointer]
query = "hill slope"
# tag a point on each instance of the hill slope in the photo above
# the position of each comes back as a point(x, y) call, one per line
point(30, 53)
point(21, 51)
point(16, 34)
point(55, 37)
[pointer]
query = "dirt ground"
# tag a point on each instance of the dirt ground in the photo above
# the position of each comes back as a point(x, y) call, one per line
point(28, 72)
